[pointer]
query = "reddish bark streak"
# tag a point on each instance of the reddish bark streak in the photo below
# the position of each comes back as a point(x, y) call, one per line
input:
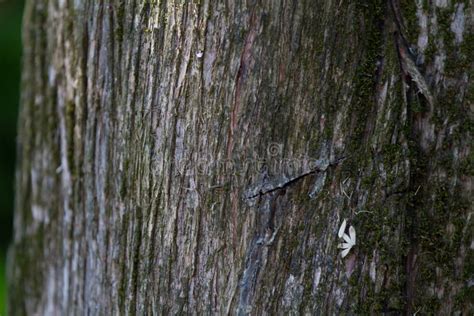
point(411, 271)
point(241, 74)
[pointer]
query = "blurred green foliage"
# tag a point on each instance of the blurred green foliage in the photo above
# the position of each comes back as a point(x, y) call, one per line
point(3, 288)
point(10, 61)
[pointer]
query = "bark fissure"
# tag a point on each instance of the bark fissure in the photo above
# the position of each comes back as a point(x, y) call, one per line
point(269, 187)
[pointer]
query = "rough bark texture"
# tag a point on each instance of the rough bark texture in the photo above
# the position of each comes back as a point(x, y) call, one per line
point(200, 156)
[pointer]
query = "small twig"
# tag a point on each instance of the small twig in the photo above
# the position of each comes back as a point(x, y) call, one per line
point(296, 179)
point(362, 211)
point(216, 186)
point(416, 192)
point(344, 192)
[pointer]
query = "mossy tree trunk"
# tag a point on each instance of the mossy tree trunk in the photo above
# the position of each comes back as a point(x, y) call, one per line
point(200, 156)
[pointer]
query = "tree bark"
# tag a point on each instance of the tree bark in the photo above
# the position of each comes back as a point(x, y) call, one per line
point(200, 156)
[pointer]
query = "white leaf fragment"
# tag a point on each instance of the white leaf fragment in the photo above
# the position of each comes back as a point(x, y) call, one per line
point(350, 239)
point(345, 252)
point(352, 235)
point(344, 246)
point(342, 229)
point(347, 238)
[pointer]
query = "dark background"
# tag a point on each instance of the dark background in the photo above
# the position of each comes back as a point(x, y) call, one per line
point(10, 61)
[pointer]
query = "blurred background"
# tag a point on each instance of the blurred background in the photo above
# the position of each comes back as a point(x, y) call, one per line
point(10, 61)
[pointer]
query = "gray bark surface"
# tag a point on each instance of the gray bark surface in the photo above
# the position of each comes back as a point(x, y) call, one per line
point(199, 157)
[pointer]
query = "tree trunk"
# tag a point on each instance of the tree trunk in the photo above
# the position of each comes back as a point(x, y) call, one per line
point(200, 157)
